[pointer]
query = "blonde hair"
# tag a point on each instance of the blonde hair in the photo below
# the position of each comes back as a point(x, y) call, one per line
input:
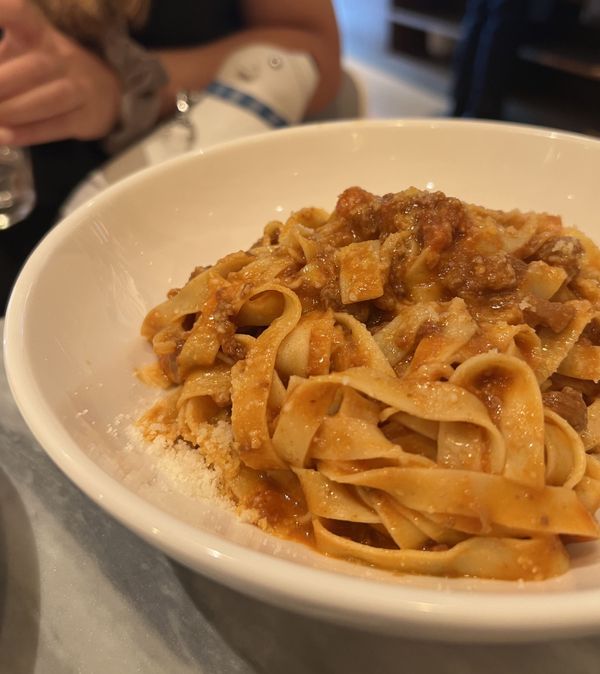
point(88, 20)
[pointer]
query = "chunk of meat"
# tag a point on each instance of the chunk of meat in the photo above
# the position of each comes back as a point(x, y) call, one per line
point(436, 220)
point(465, 273)
point(440, 220)
point(357, 209)
point(588, 389)
point(553, 315)
point(591, 332)
point(562, 251)
point(569, 404)
point(197, 271)
point(168, 364)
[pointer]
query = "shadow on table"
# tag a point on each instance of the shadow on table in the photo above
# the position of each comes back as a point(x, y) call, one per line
point(19, 584)
point(274, 640)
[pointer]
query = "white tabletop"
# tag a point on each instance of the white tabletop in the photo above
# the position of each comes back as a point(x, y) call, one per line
point(79, 593)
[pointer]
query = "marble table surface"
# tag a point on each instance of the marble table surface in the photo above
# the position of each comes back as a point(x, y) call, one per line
point(80, 593)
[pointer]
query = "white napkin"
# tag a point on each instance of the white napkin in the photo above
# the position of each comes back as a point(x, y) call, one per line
point(259, 87)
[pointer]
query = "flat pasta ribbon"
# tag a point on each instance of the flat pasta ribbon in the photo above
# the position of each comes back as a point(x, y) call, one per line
point(410, 382)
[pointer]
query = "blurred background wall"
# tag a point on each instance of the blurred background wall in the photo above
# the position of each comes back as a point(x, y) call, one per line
point(403, 55)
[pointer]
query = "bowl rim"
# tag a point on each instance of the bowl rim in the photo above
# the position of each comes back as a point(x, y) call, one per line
point(429, 613)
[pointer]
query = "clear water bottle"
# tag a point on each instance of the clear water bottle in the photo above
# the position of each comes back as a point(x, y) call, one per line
point(17, 193)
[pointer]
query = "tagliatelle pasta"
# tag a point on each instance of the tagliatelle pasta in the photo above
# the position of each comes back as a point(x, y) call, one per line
point(412, 382)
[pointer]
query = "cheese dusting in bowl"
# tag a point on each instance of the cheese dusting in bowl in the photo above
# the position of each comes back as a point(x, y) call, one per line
point(409, 382)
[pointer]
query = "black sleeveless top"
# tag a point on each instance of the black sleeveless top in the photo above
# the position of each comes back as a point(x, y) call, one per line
point(184, 23)
point(58, 167)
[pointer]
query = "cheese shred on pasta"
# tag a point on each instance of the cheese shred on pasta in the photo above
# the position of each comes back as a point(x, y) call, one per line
point(412, 383)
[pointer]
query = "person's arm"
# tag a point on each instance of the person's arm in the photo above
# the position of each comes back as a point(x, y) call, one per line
point(52, 88)
point(308, 26)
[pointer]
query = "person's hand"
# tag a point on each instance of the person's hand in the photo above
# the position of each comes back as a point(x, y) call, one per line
point(51, 88)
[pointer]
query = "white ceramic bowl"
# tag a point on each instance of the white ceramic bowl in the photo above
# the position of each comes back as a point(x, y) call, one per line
point(72, 344)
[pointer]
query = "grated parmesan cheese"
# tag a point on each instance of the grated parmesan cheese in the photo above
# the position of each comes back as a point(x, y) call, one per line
point(184, 466)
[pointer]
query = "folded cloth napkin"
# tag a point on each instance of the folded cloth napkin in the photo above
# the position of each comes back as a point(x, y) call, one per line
point(258, 88)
